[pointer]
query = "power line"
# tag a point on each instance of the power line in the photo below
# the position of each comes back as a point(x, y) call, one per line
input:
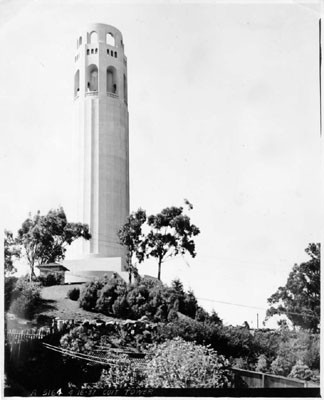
point(254, 307)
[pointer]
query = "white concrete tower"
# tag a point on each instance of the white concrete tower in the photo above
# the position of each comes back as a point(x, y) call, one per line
point(100, 91)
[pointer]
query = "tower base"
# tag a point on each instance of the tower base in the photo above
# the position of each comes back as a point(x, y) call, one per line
point(88, 269)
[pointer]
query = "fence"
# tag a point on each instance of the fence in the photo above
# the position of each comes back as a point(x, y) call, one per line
point(251, 379)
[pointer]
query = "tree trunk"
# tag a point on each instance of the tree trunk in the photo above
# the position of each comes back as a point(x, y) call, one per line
point(32, 273)
point(159, 270)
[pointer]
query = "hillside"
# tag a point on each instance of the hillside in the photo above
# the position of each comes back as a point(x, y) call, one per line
point(56, 304)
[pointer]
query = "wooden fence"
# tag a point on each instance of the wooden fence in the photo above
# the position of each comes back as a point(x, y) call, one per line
point(252, 379)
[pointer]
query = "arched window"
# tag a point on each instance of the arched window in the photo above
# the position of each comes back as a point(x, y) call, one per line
point(115, 54)
point(93, 37)
point(112, 80)
point(88, 52)
point(110, 39)
point(96, 51)
point(91, 51)
point(92, 82)
point(125, 89)
point(76, 83)
point(80, 40)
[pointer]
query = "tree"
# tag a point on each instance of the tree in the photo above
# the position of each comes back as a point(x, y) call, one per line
point(131, 236)
point(11, 250)
point(299, 299)
point(45, 237)
point(170, 233)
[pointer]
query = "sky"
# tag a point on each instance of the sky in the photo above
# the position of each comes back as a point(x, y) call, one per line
point(224, 111)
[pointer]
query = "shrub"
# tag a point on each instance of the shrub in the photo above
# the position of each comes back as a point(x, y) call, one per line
point(240, 363)
point(180, 364)
point(123, 373)
point(143, 298)
point(110, 292)
point(10, 283)
point(81, 339)
point(281, 366)
point(301, 371)
point(27, 298)
point(262, 364)
point(51, 279)
point(89, 295)
point(74, 294)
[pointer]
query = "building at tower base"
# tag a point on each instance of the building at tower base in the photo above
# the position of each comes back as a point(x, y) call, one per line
point(100, 97)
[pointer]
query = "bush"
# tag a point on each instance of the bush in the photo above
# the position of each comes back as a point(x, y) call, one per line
point(146, 297)
point(240, 363)
point(180, 364)
point(281, 366)
point(51, 279)
point(262, 364)
point(123, 373)
point(27, 298)
point(301, 371)
point(10, 283)
point(89, 295)
point(73, 294)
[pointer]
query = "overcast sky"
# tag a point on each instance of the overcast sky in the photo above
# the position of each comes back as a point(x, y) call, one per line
point(224, 111)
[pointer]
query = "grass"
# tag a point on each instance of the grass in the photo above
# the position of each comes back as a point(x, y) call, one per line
point(64, 308)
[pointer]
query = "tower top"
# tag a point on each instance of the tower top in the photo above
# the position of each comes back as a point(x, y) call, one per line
point(101, 33)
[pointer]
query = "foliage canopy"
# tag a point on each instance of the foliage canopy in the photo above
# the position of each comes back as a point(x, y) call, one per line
point(45, 237)
point(299, 299)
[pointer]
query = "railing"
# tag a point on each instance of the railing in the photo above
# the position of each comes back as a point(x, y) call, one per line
point(114, 95)
point(252, 379)
point(92, 93)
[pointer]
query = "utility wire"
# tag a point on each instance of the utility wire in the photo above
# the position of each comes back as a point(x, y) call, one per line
point(253, 307)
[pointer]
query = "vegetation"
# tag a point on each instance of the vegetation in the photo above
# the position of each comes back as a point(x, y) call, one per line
point(44, 238)
point(183, 341)
point(10, 283)
point(167, 234)
point(50, 279)
point(299, 299)
point(180, 364)
point(170, 233)
point(11, 251)
point(74, 294)
point(145, 297)
point(123, 374)
point(131, 236)
point(25, 297)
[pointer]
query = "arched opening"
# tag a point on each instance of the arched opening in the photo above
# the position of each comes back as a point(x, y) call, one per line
point(110, 39)
point(80, 40)
point(125, 89)
point(93, 37)
point(92, 82)
point(76, 83)
point(115, 54)
point(91, 51)
point(111, 80)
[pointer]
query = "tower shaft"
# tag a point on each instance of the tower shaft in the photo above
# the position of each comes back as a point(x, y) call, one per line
point(100, 90)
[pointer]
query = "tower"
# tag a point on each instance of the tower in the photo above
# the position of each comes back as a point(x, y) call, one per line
point(100, 100)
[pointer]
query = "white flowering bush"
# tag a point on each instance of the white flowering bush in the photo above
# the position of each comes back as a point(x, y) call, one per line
point(180, 364)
